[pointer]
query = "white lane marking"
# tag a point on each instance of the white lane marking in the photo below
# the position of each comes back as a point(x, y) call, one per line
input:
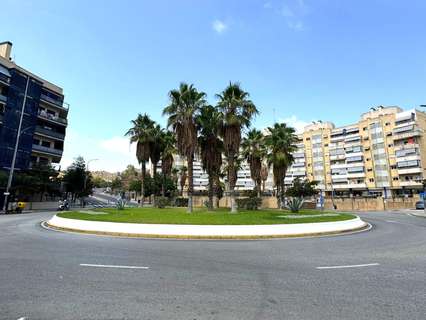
point(111, 266)
point(22, 318)
point(350, 266)
point(391, 221)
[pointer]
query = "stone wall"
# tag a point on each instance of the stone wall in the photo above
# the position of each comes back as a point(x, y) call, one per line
point(342, 204)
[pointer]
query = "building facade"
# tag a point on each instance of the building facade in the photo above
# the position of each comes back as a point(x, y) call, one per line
point(44, 121)
point(383, 154)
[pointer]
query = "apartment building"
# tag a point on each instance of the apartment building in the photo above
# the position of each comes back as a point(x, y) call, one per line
point(244, 181)
point(383, 154)
point(45, 115)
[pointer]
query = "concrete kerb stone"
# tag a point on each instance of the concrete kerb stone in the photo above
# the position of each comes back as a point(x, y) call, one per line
point(225, 232)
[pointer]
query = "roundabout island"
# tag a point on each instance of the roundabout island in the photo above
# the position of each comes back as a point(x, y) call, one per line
point(203, 224)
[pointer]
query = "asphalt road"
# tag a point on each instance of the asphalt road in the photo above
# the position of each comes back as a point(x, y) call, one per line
point(42, 276)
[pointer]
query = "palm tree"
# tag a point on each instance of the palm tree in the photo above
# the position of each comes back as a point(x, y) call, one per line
point(208, 122)
point(183, 177)
point(182, 110)
point(253, 151)
point(168, 149)
point(156, 147)
point(237, 112)
point(281, 143)
point(264, 173)
point(141, 133)
point(174, 174)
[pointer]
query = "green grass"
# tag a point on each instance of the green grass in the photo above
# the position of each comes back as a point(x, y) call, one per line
point(201, 216)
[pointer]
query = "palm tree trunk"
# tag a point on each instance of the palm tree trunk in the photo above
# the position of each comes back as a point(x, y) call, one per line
point(163, 185)
point(210, 208)
point(190, 182)
point(215, 190)
point(258, 187)
point(143, 172)
point(282, 196)
point(231, 179)
point(154, 168)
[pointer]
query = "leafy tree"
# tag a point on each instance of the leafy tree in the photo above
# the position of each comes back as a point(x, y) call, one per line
point(182, 110)
point(77, 180)
point(99, 182)
point(253, 151)
point(210, 146)
point(237, 112)
point(281, 143)
point(141, 134)
point(117, 184)
point(302, 189)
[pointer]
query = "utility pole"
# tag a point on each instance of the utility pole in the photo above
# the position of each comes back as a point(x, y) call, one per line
point(18, 135)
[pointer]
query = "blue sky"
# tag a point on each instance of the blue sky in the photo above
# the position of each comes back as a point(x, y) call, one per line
point(307, 60)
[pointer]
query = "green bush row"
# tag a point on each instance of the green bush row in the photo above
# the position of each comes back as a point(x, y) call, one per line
point(252, 203)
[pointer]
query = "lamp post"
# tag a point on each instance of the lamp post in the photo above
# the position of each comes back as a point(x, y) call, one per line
point(87, 170)
point(85, 176)
point(18, 135)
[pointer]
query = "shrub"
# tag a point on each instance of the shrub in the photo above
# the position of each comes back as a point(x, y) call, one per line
point(120, 204)
point(181, 202)
point(295, 204)
point(162, 202)
point(253, 203)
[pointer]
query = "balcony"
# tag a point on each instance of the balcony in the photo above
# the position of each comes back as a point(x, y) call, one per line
point(54, 102)
point(407, 146)
point(3, 98)
point(356, 175)
point(410, 170)
point(49, 117)
point(47, 150)
point(410, 183)
point(357, 185)
point(50, 133)
point(4, 79)
point(412, 133)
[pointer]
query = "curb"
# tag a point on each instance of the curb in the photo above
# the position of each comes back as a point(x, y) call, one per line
point(49, 226)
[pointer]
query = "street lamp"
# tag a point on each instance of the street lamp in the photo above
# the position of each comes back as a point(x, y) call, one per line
point(87, 169)
point(18, 135)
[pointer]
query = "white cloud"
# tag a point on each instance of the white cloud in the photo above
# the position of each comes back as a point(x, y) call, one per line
point(219, 26)
point(296, 123)
point(293, 11)
point(113, 154)
point(119, 145)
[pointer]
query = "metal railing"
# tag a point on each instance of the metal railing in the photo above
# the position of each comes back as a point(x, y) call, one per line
point(50, 133)
point(40, 148)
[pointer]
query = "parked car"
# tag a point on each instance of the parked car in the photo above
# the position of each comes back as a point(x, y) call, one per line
point(420, 205)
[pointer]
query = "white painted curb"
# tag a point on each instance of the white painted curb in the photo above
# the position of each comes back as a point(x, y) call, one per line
point(208, 230)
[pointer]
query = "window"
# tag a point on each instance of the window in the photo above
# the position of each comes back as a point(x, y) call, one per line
point(364, 129)
point(369, 169)
point(307, 139)
point(326, 145)
point(387, 124)
point(45, 144)
point(2, 108)
point(395, 179)
point(36, 141)
point(366, 138)
point(390, 145)
point(368, 159)
point(371, 180)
